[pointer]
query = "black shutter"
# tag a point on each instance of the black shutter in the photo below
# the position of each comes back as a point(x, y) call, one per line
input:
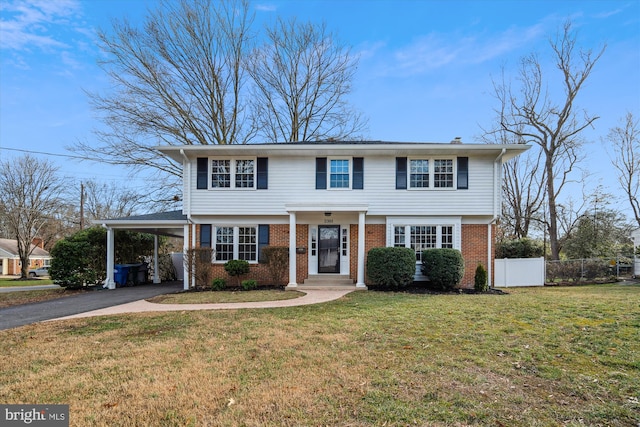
point(463, 173)
point(358, 173)
point(263, 239)
point(321, 173)
point(205, 235)
point(202, 174)
point(401, 173)
point(263, 173)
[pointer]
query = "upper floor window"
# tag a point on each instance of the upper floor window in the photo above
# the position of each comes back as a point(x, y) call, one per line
point(443, 173)
point(244, 173)
point(339, 173)
point(428, 173)
point(233, 173)
point(220, 173)
point(419, 173)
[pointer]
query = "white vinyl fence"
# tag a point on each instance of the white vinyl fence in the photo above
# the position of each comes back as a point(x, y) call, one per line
point(519, 272)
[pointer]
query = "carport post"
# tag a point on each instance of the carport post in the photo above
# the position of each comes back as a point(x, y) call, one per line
point(110, 282)
point(156, 275)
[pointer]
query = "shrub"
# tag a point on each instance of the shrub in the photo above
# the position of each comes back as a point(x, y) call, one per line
point(71, 264)
point(443, 267)
point(199, 265)
point(237, 268)
point(218, 284)
point(277, 260)
point(519, 248)
point(480, 279)
point(249, 285)
point(391, 267)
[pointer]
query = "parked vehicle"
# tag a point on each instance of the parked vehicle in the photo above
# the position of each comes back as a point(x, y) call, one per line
point(39, 272)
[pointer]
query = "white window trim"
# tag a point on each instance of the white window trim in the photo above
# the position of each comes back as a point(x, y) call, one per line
point(432, 186)
point(236, 241)
point(349, 173)
point(232, 166)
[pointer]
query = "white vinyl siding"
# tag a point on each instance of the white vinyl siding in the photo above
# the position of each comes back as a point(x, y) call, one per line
point(292, 181)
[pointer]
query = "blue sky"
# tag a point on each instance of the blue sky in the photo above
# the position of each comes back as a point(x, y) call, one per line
point(425, 70)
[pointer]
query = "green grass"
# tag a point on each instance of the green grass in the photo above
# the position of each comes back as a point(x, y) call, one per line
point(536, 357)
point(209, 297)
point(7, 282)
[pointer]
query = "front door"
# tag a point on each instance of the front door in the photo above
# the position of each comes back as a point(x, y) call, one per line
point(329, 249)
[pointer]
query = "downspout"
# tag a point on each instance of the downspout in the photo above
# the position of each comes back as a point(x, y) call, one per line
point(186, 208)
point(497, 188)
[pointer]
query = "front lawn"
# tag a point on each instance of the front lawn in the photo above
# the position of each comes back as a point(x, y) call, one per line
point(534, 357)
point(10, 282)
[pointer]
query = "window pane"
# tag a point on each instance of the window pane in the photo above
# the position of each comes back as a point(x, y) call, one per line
point(419, 173)
point(224, 243)
point(398, 239)
point(443, 173)
point(339, 174)
point(244, 174)
point(247, 243)
point(422, 237)
point(220, 173)
point(447, 237)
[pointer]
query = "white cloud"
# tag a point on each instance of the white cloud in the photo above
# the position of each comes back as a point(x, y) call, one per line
point(28, 25)
point(265, 7)
point(435, 51)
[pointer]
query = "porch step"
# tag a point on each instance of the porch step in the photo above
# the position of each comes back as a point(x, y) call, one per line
point(327, 281)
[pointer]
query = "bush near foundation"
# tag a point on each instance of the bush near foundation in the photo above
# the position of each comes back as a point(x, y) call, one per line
point(236, 268)
point(443, 267)
point(480, 279)
point(277, 260)
point(390, 268)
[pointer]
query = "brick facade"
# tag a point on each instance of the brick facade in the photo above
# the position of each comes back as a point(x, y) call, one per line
point(474, 250)
point(473, 236)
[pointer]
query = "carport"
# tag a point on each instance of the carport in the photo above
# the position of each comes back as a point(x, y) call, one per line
point(172, 223)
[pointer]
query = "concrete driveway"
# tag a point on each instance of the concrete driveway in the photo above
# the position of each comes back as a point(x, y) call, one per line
point(11, 317)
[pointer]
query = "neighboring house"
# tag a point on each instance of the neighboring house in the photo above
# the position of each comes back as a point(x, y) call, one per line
point(10, 260)
point(331, 202)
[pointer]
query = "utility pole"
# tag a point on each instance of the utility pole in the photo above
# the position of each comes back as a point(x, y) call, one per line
point(81, 206)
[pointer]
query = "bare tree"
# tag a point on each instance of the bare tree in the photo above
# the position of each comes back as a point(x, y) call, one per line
point(104, 201)
point(522, 187)
point(302, 77)
point(30, 194)
point(177, 81)
point(532, 115)
point(625, 140)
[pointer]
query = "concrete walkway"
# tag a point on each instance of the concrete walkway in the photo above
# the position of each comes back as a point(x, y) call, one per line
point(311, 297)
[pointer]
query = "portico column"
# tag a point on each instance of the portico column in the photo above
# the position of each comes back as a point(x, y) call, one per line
point(110, 282)
point(156, 272)
point(292, 251)
point(361, 234)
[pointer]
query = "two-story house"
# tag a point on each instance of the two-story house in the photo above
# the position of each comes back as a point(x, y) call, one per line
point(330, 202)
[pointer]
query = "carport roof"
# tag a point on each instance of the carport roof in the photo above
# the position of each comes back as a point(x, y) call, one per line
point(162, 223)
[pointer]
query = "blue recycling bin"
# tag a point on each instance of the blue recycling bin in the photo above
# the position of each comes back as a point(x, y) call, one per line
point(121, 274)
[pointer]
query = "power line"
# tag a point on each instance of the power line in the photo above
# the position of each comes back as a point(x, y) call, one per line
point(69, 156)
